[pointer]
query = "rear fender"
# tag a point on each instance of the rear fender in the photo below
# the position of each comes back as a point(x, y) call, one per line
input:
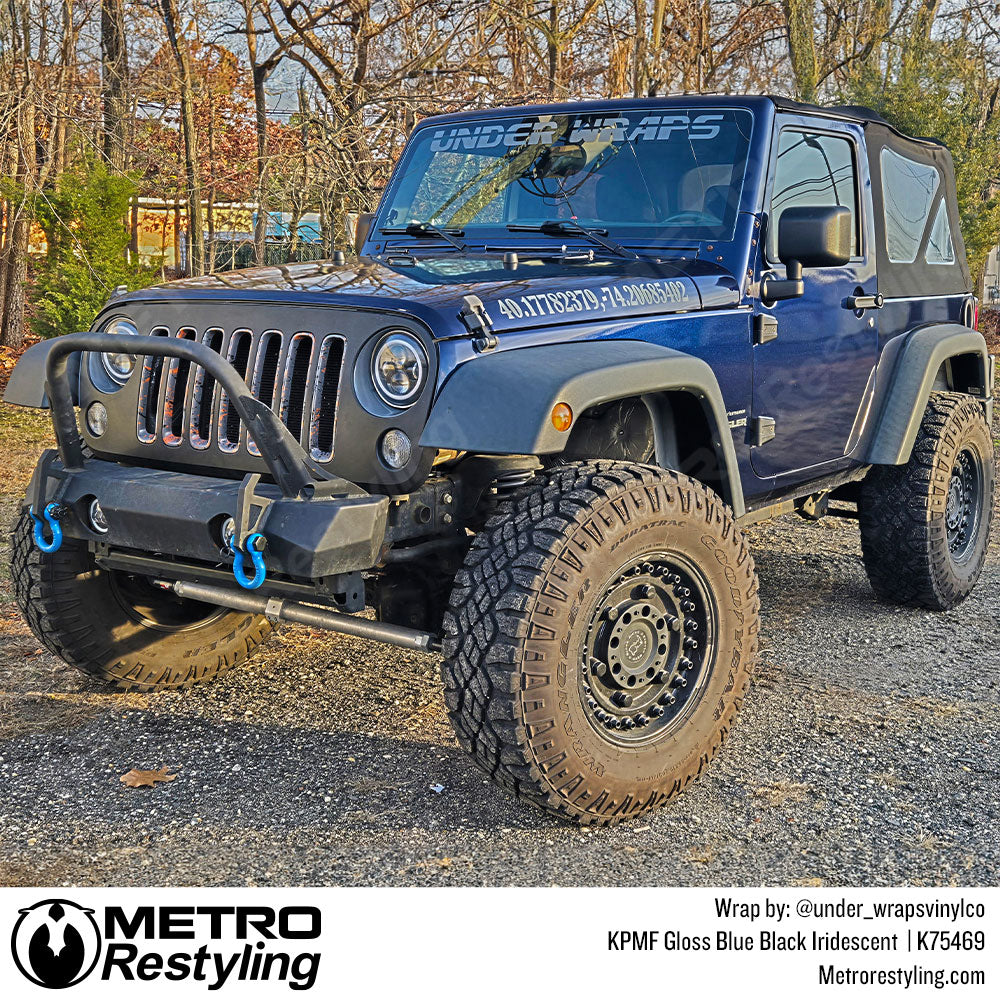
point(955, 351)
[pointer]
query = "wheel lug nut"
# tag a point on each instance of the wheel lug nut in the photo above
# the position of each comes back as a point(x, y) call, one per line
point(685, 663)
point(591, 704)
point(674, 624)
point(655, 711)
point(660, 678)
point(612, 614)
point(680, 681)
point(688, 605)
point(629, 723)
point(648, 591)
point(641, 720)
point(598, 668)
point(691, 625)
point(622, 699)
point(682, 591)
point(690, 643)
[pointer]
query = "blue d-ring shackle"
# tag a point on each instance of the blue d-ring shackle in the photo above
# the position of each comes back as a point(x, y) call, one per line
point(256, 557)
point(38, 530)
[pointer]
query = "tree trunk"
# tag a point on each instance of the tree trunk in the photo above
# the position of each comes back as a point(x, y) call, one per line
point(210, 200)
point(14, 259)
point(800, 22)
point(179, 48)
point(260, 108)
point(114, 81)
point(915, 43)
point(553, 48)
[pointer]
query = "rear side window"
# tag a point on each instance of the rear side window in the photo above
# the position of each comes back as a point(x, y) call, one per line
point(812, 170)
point(940, 249)
point(908, 190)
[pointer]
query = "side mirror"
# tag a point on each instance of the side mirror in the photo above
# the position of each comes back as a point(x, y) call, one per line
point(809, 236)
point(362, 228)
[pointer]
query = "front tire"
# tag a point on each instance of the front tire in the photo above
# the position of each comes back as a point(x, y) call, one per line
point(925, 525)
point(600, 638)
point(122, 628)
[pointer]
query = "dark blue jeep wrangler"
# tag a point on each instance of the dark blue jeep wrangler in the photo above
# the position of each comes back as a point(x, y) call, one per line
point(581, 346)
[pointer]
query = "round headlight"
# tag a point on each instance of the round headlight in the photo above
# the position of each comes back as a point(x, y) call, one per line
point(120, 366)
point(399, 368)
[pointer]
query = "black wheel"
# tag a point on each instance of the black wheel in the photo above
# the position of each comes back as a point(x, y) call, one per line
point(123, 628)
point(925, 525)
point(600, 638)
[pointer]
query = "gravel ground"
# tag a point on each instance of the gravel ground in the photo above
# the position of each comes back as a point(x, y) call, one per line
point(867, 754)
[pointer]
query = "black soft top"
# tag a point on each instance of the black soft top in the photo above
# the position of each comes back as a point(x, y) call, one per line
point(919, 277)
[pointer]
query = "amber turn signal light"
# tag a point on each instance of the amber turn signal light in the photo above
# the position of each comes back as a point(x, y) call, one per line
point(562, 417)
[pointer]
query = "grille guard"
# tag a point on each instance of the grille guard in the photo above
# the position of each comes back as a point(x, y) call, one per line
point(294, 472)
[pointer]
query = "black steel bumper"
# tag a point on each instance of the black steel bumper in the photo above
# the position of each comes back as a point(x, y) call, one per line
point(182, 516)
point(315, 525)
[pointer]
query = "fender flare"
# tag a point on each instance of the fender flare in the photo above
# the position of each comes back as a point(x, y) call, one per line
point(918, 361)
point(27, 381)
point(500, 404)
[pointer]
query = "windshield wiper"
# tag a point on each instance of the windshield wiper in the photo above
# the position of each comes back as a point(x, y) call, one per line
point(421, 229)
point(560, 227)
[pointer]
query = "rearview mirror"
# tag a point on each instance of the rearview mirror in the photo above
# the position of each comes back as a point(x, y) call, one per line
point(810, 236)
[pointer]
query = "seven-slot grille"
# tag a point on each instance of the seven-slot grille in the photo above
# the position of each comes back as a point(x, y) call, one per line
point(297, 375)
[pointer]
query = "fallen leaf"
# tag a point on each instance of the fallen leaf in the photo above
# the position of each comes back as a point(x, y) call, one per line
point(145, 779)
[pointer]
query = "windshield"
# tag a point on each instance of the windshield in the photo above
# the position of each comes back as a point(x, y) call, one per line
point(670, 174)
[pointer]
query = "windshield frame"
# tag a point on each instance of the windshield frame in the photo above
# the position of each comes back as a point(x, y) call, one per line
point(499, 234)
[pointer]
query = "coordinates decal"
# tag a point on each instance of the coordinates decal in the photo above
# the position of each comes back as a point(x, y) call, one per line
point(602, 299)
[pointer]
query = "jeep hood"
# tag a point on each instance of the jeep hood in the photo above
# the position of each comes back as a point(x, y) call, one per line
point(541, 290)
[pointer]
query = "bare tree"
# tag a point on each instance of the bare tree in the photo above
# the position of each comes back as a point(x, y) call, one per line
point(179, 48)
point(114, 83)
point(23, 160)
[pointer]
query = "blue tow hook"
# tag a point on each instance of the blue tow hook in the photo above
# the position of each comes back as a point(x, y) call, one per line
point(254, 546)
point(51, 518)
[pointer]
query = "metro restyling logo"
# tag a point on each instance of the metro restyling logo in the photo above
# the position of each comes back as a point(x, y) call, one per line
point(57, 944)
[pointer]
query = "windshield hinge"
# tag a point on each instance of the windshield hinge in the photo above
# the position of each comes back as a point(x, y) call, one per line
point(477, 321)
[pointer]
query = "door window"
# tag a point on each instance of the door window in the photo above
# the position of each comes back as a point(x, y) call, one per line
point(813, 169)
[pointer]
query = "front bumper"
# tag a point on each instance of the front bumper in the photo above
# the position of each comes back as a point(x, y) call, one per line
point(181, 516)
point(314, 525)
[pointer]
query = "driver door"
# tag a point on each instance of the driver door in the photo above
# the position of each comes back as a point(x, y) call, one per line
point(812, 371)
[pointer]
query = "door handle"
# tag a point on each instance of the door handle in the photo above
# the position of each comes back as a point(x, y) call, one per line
point(864, 301)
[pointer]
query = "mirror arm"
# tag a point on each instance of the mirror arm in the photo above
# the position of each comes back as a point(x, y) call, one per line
point(791, 287)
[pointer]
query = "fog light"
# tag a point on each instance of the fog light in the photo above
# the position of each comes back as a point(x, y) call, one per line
point(97, 419)
point(562, 417)
point(97, 519)
point(396, 448)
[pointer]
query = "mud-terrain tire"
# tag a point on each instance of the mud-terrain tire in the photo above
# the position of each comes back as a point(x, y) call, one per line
point(594, 560)
point(123, 629)
point(925, 525)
